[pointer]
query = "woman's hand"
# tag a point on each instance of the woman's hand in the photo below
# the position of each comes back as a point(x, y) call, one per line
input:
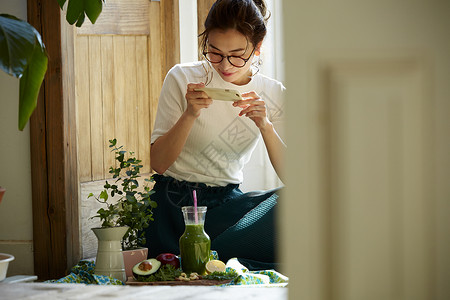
point(196, 100)
point(255, 108)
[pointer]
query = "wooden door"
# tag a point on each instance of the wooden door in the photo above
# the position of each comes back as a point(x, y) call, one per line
point(113, 75)
point(368, 150)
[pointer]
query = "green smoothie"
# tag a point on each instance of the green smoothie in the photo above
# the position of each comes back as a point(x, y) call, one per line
point(194, 249)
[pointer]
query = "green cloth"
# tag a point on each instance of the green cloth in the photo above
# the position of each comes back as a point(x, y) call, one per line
point(246, 277)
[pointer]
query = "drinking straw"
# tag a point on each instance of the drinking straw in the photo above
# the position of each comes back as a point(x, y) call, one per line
point(195, 206)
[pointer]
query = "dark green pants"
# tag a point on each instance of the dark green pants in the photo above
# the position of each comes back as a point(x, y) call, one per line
point(239, 224)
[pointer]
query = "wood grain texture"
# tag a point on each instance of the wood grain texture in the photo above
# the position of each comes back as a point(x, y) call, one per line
point(119, 90)
point(83, 107)
point(96, 107)
point(119, 17)
point(156, 74)
point(47, 150)
point(170, 30)
point(130, 117)
point(70, 135)
point(203, 7)
point(200, 282)
point(68, 140)
point(143, 102)
point(109, 124)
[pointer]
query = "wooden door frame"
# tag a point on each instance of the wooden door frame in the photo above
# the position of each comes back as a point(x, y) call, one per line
point(55, 198)
point(48, 165)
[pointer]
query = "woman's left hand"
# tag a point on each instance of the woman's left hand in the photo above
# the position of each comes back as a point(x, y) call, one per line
point(253, 107)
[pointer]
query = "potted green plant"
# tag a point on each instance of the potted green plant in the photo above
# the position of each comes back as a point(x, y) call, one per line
point(132, 209)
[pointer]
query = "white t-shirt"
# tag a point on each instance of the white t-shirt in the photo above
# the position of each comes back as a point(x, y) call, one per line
point(220, 142)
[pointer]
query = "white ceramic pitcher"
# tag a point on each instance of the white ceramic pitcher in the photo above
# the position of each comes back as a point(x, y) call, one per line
point(109, 259)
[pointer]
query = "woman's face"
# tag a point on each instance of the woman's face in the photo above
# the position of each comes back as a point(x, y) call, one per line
point(231, 43)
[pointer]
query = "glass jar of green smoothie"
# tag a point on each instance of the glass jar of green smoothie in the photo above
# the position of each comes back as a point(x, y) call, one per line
point(194, 243)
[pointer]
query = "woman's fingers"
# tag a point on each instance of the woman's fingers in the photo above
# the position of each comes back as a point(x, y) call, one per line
point(191, 92)
point(250, 98)
point(196, 100)
point(192, 86)
point(256, 108)
point(253, 107)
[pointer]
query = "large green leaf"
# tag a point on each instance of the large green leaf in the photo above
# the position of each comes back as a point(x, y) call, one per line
point(23, 55)
point(17, 43)
point(93, 9)
point(61, 3)
point(77, 9)
point(30, 84)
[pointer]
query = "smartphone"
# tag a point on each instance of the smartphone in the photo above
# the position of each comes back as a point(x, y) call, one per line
point(221, 94)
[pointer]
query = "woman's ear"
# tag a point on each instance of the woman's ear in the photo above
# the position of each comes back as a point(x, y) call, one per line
point(258, 49)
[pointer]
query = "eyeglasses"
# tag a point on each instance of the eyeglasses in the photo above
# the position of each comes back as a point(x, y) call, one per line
point(236, 61)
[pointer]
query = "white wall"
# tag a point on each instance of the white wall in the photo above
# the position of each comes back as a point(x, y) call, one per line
point(188, 31)
point(16, 229)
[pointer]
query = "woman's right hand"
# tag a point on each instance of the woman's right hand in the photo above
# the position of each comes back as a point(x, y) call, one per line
point(196, 100)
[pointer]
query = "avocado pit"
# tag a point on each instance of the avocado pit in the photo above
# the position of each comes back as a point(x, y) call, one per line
point(146, 268)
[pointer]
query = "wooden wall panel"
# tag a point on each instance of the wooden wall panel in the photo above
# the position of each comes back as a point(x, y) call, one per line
point(82, 101)
point(70, 134)
point(203, 7)
point(109, 124)
point(155, 60)
point(49, 167)
point(61, 126)
point(95, 102)
point(119, 90)
point(118, 81)
point(130, 100)
point(113, 91)
point(170, 33)
point(120, 17)
point(143, 104)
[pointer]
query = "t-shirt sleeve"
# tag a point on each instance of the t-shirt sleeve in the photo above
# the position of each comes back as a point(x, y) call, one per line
point(171, 104)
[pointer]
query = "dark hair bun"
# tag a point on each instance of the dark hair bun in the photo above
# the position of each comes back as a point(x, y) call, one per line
point(249, 17)
point(261, 4)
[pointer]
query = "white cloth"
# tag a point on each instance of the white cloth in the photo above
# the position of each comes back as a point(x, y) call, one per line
point(220, 142)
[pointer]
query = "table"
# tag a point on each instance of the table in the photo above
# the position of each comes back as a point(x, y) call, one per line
point(47, 291)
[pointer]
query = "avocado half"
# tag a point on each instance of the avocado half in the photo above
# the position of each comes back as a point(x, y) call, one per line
point(146, 268)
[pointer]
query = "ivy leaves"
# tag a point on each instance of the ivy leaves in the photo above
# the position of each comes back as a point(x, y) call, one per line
point(134, 206)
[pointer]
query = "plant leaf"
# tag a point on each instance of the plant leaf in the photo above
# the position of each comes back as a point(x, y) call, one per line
point(74, 10)
point(61, 3)
point(93, 9)
point(103, 195)
point(18, 40)
point(30, 84)
point(23, 55)
point(80, 20)
point(78, 9)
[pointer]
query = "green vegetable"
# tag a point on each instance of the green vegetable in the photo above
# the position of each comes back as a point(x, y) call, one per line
point(227, 275)
point(169, 273)
point(165, 273)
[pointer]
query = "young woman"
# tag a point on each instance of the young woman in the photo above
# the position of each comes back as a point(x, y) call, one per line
point(203, 144)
